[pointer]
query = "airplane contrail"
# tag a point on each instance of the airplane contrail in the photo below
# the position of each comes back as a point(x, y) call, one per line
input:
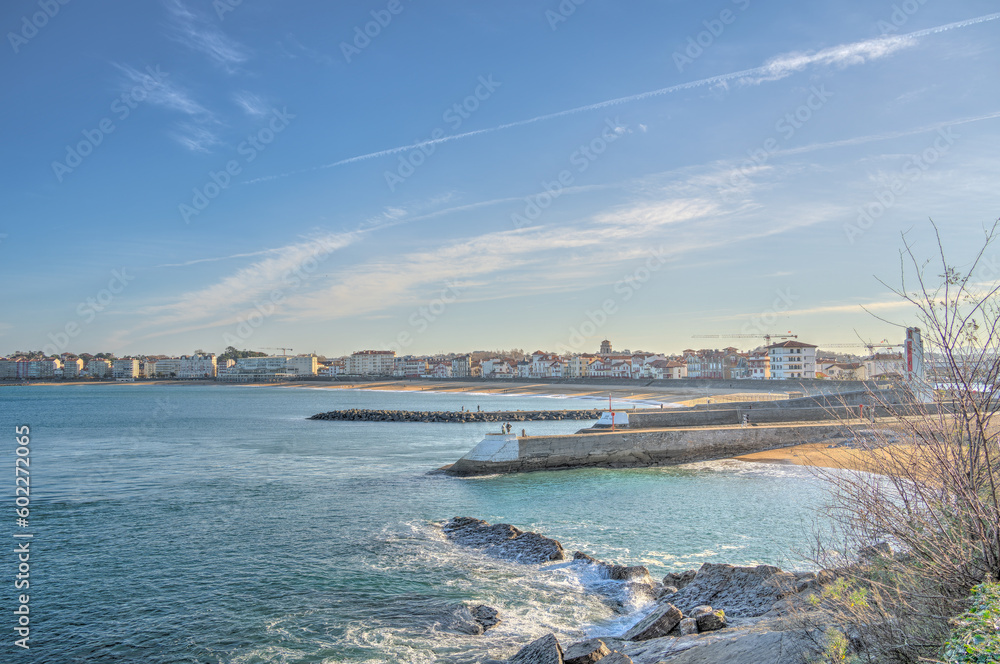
point(775, 69)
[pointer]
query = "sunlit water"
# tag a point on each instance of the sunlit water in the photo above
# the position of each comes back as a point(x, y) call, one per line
point(212, 523)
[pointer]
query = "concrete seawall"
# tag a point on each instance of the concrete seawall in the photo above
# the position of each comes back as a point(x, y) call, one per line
point(633, 448)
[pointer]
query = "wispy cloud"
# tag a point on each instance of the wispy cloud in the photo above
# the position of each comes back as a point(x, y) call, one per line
point(194, 137)
point(196, 132)
point(225, 299)
point(781, 66)
point(199, 34)
point(843, 55)
point(251, 104)
point(216, 259)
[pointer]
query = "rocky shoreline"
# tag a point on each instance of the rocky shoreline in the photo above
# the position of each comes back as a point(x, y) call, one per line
point(717, 614)
point(364, 415)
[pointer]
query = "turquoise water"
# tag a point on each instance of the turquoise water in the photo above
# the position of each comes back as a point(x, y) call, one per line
point(177, 523)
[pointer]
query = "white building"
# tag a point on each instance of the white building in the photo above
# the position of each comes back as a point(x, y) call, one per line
point(792, 360)
point(409, 367)
point(461, 367)
point(371, 363)
point(496, 367)
point(439, 370)
point(186, 367)
point(759, 365)
point(889, 365)
point(168, 367)
point(664, 369)
point(47, 368)
point(125, 369)
point(72, 367)
point(99, 368)
point(302, 365)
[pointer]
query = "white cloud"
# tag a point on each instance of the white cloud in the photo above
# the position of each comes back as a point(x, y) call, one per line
point(197, 33)
point(843, 55)
point(221, 301)
point(251, 104)
point(194, 137)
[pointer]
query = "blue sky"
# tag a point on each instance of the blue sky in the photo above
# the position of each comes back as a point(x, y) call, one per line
point(185, 175)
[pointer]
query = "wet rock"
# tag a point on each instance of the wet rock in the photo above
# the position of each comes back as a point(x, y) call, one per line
point(665, 591)
point(545, 650)
point(503, 540)
point(617, 658)
point(679, 580)
point(658, 623)
point(615, 572)
point(749, 647)
point(486, 616)
point(708, 620)
point(739, 591)
point(586, 652)
point(688, 626)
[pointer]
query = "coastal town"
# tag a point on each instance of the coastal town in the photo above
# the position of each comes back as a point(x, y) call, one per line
point(789, 359)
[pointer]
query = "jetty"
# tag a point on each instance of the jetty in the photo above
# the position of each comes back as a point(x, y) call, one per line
point(462, 416)
point(681, 435)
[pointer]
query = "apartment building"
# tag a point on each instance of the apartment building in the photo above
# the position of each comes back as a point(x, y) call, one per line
point(302, 365)
point(72, 367)
point(409, 367)
point(461, 367)
point(98, 368)
point(792, 360)
point(125, 369)
point(759, 365)
point(371, 363)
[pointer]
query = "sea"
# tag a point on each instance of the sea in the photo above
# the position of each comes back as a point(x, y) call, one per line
point(216, 523)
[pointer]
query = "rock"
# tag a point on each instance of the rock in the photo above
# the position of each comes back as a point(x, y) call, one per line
point(679, 580)
point(617, 658)
point(658, 623)
point(503, 540)
point(615, 572)
point(641, 592)
point(545, 650)
point(707, 619)
point(486, 616)
point(875, 551)
point(739, 591)
point(664, 591)
point(688, 626)
point(586, 652)
point(461, 621)
point(751, 647)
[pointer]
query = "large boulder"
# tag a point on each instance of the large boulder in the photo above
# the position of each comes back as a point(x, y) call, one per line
point(503, 540)
point(486, 616)
point(688, 626)
point(742, 592)
point(615, 572)
point(617, 658)
point(586, 652)
point(658, 623)
point(679, 580)
point(545, 650)
point(742, 647)
point(708, 620)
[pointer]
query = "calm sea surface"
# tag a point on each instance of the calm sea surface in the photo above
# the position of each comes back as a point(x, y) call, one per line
point(177, 523)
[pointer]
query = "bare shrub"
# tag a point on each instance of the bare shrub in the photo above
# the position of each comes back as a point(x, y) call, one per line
point(933, 490)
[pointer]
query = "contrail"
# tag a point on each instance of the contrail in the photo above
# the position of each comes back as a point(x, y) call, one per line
point(775, 69)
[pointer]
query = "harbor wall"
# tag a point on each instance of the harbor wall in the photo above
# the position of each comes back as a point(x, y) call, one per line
point(633, 448)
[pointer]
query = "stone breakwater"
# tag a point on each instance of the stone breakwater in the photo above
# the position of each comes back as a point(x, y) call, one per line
point(718, 614)
point(362, 415)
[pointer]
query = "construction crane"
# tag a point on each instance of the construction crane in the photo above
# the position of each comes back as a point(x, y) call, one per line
point(281, 348)
point(871, 347)
point(766, 337)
